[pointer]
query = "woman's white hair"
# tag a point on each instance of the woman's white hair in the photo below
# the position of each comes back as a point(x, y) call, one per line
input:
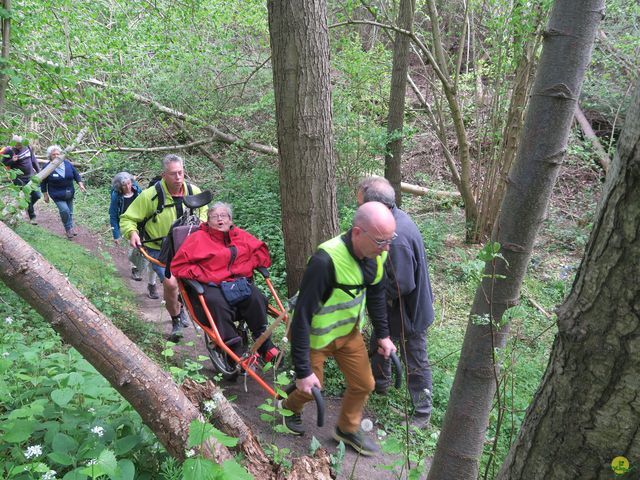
point(52, 149)
point(226, 206)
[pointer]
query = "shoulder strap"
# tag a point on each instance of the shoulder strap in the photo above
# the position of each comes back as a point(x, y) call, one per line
point(160, 197)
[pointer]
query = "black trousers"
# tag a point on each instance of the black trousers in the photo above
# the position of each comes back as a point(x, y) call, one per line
point(34, 196)
point(253, 311)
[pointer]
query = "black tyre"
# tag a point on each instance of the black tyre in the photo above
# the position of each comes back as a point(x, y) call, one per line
point(224, 365)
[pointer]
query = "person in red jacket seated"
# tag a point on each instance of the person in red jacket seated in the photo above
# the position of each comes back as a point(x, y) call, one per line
point(221, 252)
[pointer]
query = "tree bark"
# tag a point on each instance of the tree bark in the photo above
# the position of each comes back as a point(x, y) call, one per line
point(300, 56)
point(397, 95)
point(567, 48)
point(6, 43)
point(586, 411)
point(150, 390)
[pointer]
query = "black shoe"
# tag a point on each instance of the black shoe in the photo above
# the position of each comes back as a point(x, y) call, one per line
point(135, 274)
point(176, 331)
point(381, 389)
point(184, 320)
point(292, 422)
point(358, 441)
point(33, 221)
point(152, 291)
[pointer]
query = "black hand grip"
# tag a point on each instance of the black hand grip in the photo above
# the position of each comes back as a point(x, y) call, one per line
point(264, 271)
point(397, 366)
point(317, 396)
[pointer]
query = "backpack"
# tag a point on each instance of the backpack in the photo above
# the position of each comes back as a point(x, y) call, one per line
point(160, 197)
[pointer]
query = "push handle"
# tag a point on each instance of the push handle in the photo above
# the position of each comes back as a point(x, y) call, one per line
point(319, 399)
point(397, 366)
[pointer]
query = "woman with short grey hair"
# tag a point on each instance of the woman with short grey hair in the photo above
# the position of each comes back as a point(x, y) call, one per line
point(58, 186)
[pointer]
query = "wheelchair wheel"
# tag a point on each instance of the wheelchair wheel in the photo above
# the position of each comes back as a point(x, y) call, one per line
point(224, 365)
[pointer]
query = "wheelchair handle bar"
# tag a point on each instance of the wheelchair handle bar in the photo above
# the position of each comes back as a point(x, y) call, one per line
point(317, 396)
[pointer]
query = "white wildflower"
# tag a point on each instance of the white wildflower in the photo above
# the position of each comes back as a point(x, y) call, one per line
point(8, 320)
point(99, 431)
point(91, 462)
point(284, 340)
point(5, 354)
point(209, 406)
point(190, 453)
point(366, 425)
point(50, 475)
point(33, 451)
point(91, 410)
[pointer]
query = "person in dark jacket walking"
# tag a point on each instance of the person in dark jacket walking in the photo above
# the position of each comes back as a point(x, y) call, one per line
point(58, 186)
point(20, 156)
point(409, 303)
point(123, 192)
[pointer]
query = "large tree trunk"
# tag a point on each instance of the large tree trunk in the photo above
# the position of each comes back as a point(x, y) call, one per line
point(395, 119)
point(567, 49)
point(586, 411)
point(149, 389)
point(300, 57)
point(6, 36)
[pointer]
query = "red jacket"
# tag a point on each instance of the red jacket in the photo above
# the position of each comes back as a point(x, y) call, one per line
point(210, 255)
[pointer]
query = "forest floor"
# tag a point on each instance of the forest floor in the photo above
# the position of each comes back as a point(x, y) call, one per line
point(245, 395)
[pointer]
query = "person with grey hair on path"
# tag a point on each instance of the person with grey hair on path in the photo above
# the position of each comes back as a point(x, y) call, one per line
point(124, 190)
point(409, 303)
point(58, 186)
point(149, 218)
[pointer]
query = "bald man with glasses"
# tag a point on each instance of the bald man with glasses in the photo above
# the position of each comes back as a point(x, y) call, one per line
point(345, 275)
point(409, 303)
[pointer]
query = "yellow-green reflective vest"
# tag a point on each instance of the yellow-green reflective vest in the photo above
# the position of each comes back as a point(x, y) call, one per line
point(344, 309)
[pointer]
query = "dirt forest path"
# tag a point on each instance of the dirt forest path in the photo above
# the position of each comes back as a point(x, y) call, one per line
point(246, 402)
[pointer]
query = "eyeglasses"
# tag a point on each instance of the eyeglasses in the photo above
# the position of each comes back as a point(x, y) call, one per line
point(381, 243)
point(219, 216)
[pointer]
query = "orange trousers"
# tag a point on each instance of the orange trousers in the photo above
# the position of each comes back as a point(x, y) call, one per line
point(351, 356)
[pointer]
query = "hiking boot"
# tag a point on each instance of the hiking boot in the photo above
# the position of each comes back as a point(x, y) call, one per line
point(184, 320)
point(358, 441)
point(152, 291)
point(69, 234)
point(292, 422)
point(135, 274)
point(420, 421)
point(176, 330)
point(33, 221)
point(381, 389)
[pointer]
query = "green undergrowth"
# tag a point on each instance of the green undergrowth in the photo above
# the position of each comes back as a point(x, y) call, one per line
point(59, 418)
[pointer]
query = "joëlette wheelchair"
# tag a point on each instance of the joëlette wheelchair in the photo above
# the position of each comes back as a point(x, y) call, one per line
point(232, 356)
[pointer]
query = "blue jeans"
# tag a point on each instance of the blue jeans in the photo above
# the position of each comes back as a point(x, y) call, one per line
point(156, 268)
point(65, 207)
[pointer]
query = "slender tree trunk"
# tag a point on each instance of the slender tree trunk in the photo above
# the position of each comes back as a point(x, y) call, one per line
point(586, 411)
point(395, 120)
point(300, 57)
point(567, 49)
point(6, 37)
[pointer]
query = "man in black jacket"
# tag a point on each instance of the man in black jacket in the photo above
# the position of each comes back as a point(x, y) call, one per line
point(409, 302)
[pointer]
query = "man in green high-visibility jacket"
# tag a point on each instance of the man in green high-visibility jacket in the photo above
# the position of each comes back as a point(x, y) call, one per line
point(342, 275)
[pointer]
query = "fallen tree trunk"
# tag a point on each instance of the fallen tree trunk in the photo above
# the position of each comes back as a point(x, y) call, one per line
point(417, 190)
point(603, 158)
point(149, 389)
point(219, 135)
